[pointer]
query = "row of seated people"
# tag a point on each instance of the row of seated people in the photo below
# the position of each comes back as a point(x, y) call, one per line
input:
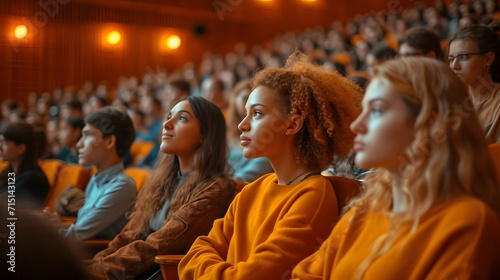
point(275, 222)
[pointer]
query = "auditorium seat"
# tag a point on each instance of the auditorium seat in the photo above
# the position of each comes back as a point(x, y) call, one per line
point(69, 174)
point(51, 168)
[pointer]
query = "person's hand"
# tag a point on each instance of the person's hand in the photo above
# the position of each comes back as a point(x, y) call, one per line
point(52, 216)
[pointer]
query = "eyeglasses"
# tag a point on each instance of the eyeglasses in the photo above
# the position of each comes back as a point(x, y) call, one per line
point(462, 57)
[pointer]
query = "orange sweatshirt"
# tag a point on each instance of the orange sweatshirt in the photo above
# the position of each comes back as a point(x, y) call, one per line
point(458, 239)
point(267, 230)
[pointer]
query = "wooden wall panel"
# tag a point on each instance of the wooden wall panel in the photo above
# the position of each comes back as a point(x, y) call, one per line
point(67, 46)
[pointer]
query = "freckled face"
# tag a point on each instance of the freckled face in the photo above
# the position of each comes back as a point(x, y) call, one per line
point(263, 128)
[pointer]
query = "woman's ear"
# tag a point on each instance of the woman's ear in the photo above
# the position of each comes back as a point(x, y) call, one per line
point(295, 125)
point(490, 58)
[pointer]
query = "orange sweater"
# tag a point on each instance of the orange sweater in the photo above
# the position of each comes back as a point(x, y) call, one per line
point(267, 230)
point(458, 239)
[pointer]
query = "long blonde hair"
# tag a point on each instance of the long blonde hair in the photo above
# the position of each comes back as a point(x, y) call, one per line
point(448, 156)
point(209, 164)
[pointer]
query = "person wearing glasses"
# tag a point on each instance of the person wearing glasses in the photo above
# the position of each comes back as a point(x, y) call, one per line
point(473, 54)
point(420, 41)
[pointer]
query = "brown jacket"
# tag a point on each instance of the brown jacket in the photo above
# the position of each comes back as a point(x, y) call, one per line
point(127, 257)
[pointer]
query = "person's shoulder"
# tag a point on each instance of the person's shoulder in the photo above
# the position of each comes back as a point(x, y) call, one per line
point(316, 181)
point(121, 180)
point(465, 210)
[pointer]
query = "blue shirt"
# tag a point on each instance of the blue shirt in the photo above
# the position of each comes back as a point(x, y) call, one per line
point(245, 169)
point(108, 196)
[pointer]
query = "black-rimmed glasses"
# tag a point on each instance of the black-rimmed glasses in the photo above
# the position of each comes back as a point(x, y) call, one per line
point(462, 57)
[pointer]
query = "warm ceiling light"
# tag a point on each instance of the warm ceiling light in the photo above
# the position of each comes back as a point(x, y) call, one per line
point(114, 37)
point(173, 42)
point(20, 31)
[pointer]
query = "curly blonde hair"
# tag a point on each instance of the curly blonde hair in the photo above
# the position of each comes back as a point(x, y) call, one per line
point(326, 101)
point(448, 156)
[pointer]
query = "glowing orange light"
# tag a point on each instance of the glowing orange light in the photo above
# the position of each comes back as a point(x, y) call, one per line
point(20, 31)
point(173, 42)
point(114, 37)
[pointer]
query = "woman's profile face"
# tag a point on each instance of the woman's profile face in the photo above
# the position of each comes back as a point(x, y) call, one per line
point(181, 133)
point(466, 61)
point(384, 129)
point(263, 128)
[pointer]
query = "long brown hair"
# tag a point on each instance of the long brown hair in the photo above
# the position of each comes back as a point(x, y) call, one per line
point(210, 162)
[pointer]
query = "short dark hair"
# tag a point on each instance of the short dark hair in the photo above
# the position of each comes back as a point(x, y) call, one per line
point(423, 38)
point(383, 52)
point(111, 121)
point(75, 122)
point(22, 133)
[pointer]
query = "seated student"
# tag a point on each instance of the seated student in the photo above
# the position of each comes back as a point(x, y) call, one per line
point(70, 131)
point(110, 193)
point(213, 89)
point(474, 55)
point(430, 212)
point(22, 179)
point(188, 190)
point(420, 41)
point(298, 117)
point(245, 169)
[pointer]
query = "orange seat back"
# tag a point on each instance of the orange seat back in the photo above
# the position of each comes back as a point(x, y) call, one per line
point(345, 190)
point(3, 164)
point(139, 175)
point(51, 168)
point(139, 150)
point(69, 174)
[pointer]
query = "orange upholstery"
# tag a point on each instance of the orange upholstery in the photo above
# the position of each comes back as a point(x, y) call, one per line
point(345, 190)
point(3, 164)
point(51, 168)
point(139, 175)
point(139, 150)
point(69, 174)
point(494, 150)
